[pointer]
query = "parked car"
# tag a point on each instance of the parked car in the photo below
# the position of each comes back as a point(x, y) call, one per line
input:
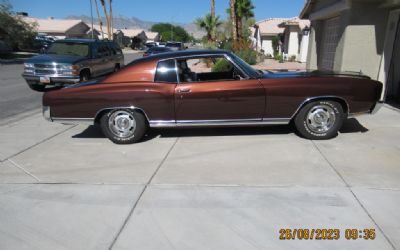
point(175, 45)
point(178, 90)
point(150, 45)
point(157, 50)
point(71, 61)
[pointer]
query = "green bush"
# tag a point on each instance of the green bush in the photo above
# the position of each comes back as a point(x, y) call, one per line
point(221, 65)
point(248, 55)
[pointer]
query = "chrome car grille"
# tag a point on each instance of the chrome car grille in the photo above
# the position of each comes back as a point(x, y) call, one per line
point(47, 66)
point(45, 71)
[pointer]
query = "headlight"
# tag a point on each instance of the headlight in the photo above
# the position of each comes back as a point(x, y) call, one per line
point(29, 68)
point(28, 65)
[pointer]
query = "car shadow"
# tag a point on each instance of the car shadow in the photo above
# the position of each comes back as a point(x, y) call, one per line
point(349, 126)
point(352, 125)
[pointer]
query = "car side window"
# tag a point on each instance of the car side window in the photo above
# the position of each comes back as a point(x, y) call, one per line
point(208, 69)
point(166, 72)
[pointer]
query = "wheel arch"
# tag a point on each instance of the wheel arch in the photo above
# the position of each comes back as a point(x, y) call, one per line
point(103, 111)
point(340, 100)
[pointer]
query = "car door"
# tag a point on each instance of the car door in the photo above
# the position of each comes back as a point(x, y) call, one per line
point(213, 96)
point(98, 60)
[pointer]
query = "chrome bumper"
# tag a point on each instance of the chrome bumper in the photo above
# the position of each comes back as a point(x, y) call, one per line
point(377, 107)
point(53, 79)
point(46, 113)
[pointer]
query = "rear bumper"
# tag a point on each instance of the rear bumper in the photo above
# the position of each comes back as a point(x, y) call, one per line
point(53, 79)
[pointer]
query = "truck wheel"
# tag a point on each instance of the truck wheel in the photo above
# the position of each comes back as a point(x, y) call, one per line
point(37, 87)
point(123, 126)
point(320, 120)
point(117, 68)
point(84, 76)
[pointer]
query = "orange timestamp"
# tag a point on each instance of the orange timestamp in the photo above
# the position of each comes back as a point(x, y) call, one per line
point(326, 234)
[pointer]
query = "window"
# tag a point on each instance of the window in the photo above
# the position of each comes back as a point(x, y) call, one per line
point(69, 48)
point(166, 72)
point(207, 69)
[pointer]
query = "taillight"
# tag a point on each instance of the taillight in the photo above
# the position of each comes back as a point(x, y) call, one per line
point(145, 54)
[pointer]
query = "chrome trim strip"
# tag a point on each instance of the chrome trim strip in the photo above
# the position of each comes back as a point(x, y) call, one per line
point(320, 97)
point(204, 123)
point(377, 107)
point(73, 121)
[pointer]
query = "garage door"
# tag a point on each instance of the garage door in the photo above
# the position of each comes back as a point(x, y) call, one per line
point(330, 40)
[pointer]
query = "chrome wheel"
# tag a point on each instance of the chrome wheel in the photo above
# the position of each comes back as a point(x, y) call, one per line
point(122, 124)
point(321, 118)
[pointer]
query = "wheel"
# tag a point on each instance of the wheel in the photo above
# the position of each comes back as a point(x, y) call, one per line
point(84, 76)
point(320, 120)
point(37, 87)
point(123, 126)
point(117, 67)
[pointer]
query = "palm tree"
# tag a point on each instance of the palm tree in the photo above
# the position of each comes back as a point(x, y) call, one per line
point(213, 8)
point(210, 25)
point(244, 11)
point(213, 15)
point(100, 22)
point(111, 19)
point(232, 6)
point(107, 18)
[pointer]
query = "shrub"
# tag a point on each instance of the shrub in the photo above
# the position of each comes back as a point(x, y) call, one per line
point(248, 55)
point(221, 65)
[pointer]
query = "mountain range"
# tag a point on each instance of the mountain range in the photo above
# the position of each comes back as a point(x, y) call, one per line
point(122, 22)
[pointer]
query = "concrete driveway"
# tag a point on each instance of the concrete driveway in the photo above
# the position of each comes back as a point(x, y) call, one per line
point(68, 187)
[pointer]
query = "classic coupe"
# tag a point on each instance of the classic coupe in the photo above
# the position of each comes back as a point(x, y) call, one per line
point(196, 88)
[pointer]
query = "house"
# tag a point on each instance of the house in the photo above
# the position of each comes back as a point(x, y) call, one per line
point(291, 35)
point(356, 35)
point(265, 31)
point(135, 38)
point(152, 36)
point(296, 38)
point(60, 28)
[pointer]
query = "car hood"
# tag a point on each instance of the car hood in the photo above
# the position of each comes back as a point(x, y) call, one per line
point(315, 73)
point(49, 58)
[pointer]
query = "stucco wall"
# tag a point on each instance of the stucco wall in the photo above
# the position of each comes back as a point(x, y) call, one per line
point(364, 39)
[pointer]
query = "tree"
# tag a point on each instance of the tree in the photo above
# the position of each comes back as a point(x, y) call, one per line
point(100, 22)
point(103, 3)
point(213, 8)
point(210, 25)
point(14, 30)
point(244, 11)
point(232, 6)
point(170, 32)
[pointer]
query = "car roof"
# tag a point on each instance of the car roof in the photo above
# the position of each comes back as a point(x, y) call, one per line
point(181, 53)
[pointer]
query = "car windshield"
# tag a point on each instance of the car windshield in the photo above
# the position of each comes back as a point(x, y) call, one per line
point(68, 48)
point(252, 72)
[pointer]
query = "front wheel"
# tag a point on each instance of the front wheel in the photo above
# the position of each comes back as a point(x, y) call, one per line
point(320, 120)
point(37, 87)
point(123, 126)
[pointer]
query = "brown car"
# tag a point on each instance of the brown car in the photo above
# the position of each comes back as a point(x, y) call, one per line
point(211, 88)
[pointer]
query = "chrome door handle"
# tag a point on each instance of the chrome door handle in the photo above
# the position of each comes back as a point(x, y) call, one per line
point(183, 90)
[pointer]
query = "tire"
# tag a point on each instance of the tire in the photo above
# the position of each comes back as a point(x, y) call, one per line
point(320, 120)
point(123, 126)
point(37, 87)
point(117, 68)
point(84, 76)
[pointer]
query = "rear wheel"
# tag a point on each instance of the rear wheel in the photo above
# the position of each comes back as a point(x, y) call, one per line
point(320, 120)
point(117, 67)
point(123, 126)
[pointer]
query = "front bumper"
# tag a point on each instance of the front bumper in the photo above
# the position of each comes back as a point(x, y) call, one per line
point(377, 107)
point(47, 113)
point(53, 79)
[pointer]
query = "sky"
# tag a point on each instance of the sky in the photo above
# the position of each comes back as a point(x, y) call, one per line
point(180, 11)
